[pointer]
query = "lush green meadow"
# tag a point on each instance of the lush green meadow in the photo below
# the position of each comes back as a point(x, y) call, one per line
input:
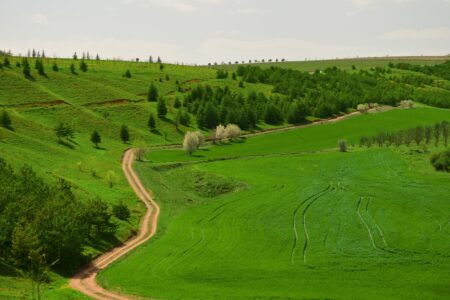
point(104, 100)
point(285, 215)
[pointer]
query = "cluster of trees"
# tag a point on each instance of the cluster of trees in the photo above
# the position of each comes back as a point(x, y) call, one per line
point(439, 70)
point(333, 91)
point(329, 92)
point(214, 106)
point(45, 224)
point(418, 135)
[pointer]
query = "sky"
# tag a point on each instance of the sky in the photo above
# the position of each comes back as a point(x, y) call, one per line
point(203, 31)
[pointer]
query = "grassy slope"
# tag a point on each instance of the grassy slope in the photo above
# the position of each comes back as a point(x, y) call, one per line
point(88, 101)
point(346, 64)
point(241, 245)
point(99, 99)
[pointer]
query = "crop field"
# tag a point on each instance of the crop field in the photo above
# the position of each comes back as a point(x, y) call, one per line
point(285, 215)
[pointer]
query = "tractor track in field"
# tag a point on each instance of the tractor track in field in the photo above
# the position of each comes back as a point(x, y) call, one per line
point(294, 221)
point(85, 279)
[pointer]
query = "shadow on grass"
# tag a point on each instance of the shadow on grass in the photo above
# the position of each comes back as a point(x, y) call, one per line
point(66, 144)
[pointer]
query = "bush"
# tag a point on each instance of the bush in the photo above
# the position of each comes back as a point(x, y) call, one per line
point(441, 161)
point(121, 211)
point(342, 145)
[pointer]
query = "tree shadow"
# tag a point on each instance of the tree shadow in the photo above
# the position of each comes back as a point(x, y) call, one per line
point(66, 144)
point(7, 270)
point(99, 148)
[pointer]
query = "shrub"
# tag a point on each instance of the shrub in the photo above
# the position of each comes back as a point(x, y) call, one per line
point(441, 161)
point(121, 211)
point(342, 145)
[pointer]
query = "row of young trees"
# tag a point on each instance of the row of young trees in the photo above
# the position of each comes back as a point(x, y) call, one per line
point(419, 135)
point(194, 140)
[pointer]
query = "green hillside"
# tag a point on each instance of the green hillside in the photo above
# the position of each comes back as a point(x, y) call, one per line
point(103, 99)
point(347, 64)
point(285, 215)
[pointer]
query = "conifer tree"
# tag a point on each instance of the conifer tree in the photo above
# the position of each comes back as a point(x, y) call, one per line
point(152, 93)
point(55, 67)
point(75, 56)
point(83, 66)
point(162, 108)
point(6, 62)
point(5, 120)
point(26, 68)
point(96, 138)
point(152, 122)
point(72, 69)
point(124, 134)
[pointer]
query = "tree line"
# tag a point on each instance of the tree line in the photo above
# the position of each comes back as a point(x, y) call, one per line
point(419, 135)
point(333, 91)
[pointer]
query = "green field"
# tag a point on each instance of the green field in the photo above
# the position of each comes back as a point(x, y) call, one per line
point(103, 99)
point(286, 216)
point(347, 64)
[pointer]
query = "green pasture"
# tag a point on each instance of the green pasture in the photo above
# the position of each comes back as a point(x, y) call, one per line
point(286, 216)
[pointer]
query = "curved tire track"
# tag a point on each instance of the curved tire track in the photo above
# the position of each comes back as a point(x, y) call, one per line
point(85, 279)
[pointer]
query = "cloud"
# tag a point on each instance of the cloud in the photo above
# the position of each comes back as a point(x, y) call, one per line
point(418, 34)
point(185, 5)
point(39, 19)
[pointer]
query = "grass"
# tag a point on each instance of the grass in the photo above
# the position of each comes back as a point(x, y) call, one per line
point(306, 222)
point(104, 100)
point(347, 64)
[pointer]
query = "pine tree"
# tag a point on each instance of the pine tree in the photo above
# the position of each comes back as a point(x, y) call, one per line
point(5, 120)
point(72, 69)
point(96, 138)
point(127, 74)
point(159, 60)
point(83, 66)
point(55, 67)
point(26, 68)
point(33, 53)
point(177, 103)
point(97, 57)
point(152, 93)
point(161, 67)
point(152, 122)
point(150, 59)
point(75, 56)
point(43, 54)
point(6, 62)
point(124, 134)
point(162, 108)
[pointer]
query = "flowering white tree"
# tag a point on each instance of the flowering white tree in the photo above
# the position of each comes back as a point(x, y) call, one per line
point(363, 108)
point(190, 142)
point(232, 131)
point(406, 104)
point(220, 132)
point(201, 138)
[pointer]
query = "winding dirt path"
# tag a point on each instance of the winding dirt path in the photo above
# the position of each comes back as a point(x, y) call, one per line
point(85, 279)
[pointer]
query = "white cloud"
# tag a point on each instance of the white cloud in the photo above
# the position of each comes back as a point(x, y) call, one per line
point(418, 34)
point(39, 19)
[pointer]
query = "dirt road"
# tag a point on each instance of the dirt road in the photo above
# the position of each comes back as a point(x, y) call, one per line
point(85, 280)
